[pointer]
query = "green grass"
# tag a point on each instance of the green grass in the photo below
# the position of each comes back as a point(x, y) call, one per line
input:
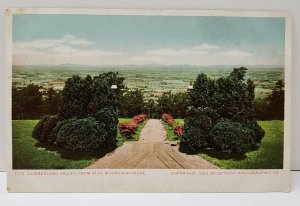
point(170, 132)
point(179, 121)
point(135, 137)
point(269, 155)
point(30, 154)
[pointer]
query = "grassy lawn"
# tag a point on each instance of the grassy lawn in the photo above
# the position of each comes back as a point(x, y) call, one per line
point(269, 155)
point(170, 131)
point(29, 154)
point(135, 137)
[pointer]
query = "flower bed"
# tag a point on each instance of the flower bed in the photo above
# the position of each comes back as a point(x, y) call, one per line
point(139, 118)
point(168, 119)
point(178, 130)
point(128, 129)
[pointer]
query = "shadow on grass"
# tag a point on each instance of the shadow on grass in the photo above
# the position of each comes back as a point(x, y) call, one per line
point(212, 153)
point(222, 155)
point(72, 155)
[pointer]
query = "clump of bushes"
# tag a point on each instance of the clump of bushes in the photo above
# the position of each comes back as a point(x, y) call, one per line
point(221, 115)
point(168, 119)
point(139, 118)
point(128, 129)
point(87, 120)
point(232, 137)
point(178, 130)
point(84, 134)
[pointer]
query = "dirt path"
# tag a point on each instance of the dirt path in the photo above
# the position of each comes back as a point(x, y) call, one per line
point(152, 151)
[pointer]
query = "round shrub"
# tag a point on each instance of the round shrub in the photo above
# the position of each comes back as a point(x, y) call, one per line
point(178, 130)
point(232, 137)
point(81, 135)
point(257, 132)
point(38, 129)
point(193, 140)
point(108, 116)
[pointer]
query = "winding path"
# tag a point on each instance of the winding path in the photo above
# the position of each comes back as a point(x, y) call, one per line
point(152, 151)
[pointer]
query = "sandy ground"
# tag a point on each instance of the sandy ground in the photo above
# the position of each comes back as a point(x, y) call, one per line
point(152, 151)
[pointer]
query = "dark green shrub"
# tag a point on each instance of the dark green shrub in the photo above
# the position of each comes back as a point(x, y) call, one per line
point(193, 140)
point(38, 129)
point(232, 137)
point(258, 132)
point(76, 97)
point(81, 135)
point(197, 125)
point(109, 118)
point(48, 126)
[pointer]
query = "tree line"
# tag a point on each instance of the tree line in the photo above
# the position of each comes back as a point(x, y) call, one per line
point(31, 102)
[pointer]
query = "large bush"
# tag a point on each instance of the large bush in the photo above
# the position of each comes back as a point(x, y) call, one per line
point(76, 96)
point(232, 137)
point(196, 128)
point(109, 118)
point(38, 129)
point(44, 128)
point(85, 134)
point(88, 116)
point(213, 101)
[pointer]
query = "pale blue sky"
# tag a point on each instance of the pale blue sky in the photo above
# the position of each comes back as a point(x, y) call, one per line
point(102, 40)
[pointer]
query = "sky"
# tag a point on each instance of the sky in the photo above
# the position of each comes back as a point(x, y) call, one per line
point(55, 39)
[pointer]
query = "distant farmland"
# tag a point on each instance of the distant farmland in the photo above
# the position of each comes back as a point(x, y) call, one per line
point(153, 80)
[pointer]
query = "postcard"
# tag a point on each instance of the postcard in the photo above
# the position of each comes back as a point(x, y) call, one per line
point(137, 100)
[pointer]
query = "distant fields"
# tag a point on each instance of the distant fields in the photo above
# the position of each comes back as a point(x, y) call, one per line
point(147, 78)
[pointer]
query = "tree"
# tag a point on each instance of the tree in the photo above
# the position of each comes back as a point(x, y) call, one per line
point(227, 99)
point(276, 101)
point(52, 102)
point(27, 102)
point(133, 103)
point(113, 78)
point(76, 96)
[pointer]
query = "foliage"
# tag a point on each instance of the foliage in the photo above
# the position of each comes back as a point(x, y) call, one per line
point(38, 129)
point(76, 96)
point(232, 137)
point(139, 118)
point(51, 101)
point(269, 155)
point(276, 101)
point(168, 119)
point(28, 153)
point(127, 129)
point(113, 78)
point(173, 104)
point(27, 102)
point(133, 103)
point(81, 135)
point(109, 118)
point(212, 101)
point(198, 120)
point(178, 130)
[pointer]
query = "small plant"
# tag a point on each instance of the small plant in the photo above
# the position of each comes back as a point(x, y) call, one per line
point(127, 129)
point(168, 119)
point(139, 118)
point(178, 130)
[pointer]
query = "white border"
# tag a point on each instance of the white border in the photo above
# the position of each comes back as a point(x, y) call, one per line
point(154, 180)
